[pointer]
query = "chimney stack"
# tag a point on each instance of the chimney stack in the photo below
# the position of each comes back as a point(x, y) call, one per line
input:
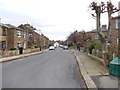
point(104, 26)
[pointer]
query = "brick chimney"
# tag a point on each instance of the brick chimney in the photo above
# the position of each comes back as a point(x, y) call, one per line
point(104, 26)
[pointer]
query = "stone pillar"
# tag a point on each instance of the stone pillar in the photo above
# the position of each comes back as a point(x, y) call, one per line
point(114, 55)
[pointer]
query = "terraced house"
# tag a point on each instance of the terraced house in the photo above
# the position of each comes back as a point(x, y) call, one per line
point(30, 34)
point(33, 37)
point(3, 36)
point(94, 35)
point(115, 34)
point(12, 37)
point(16, 37)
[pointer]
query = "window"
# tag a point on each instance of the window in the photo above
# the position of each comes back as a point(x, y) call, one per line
point(18, 33)
point(19, 44)
point(24, 45)
point(24, 35)
point(117, 41)
point(117, 23)
point(2, 45)
point(4, 32)
point(30, 35)
point(96, 37)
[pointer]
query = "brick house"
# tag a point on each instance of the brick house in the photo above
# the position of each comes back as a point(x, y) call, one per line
point(22, 36)
point(29, 33)
point(115, 35)
point(34, 38)
point(16, 37)
point(3, 36)
point(38, 39)
point(45, 41)
point(94, 35)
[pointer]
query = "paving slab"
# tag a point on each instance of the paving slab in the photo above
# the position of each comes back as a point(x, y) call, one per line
point(94, 72)
point(106, 81)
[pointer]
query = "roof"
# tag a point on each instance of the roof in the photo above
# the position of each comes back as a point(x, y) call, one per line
point(1, 24)
point(13, 27)
point(116, 17)
point(95, 30)
point(38, 32)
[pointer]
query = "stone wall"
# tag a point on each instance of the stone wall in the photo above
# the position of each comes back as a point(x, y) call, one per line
point(16, 52)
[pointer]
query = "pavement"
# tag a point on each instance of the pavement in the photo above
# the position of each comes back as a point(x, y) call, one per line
point(95, 74)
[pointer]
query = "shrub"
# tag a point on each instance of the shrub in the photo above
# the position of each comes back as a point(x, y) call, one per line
point(96, 45)
point(70, 44)
point(31, 47)
point(13, 49)
point(36, 46)
point(91, 47)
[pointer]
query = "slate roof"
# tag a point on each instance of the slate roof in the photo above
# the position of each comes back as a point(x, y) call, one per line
point(1, 24)
point(116, 17)
point(13, 27)
point(95, 30)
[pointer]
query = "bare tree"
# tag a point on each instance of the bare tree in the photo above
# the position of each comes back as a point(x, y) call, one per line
point(100, 8)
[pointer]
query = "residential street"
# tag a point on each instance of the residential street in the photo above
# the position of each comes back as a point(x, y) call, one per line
point(53, 69)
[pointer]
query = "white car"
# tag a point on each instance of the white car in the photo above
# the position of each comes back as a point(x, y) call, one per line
point(62, 46)
point(65, 47)
point(51, 48)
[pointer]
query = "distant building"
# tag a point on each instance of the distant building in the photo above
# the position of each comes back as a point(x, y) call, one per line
point(56, 44)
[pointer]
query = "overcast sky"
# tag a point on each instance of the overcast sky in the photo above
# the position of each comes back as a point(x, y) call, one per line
point(55, 18)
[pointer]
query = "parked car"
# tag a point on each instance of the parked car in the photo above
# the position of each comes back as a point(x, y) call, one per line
point(61, 46)
point(65, 47)
point(51, 48)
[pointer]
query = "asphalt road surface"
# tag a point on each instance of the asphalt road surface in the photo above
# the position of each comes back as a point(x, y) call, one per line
point(53, 69)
